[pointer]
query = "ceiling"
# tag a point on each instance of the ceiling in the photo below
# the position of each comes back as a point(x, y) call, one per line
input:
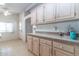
point(14, 8)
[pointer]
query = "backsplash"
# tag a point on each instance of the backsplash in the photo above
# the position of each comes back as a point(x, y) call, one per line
point(58, 27)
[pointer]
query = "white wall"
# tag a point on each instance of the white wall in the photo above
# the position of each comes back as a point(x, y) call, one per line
point(22, 32)
point(22, 20)
point(10, 36)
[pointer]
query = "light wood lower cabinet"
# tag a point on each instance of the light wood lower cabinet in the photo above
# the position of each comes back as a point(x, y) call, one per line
point(46, 41)
point(36, 46)
point(77, 50)
point(59, 52)
point(57, 44)
point(29, 43)
point(68, 47)
point(45, 47)
point(45, 50)
point(63, 49)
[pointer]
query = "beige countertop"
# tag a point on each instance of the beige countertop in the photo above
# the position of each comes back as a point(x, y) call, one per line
point(52, 36)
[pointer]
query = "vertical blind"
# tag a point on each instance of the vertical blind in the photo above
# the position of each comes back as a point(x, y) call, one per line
point(6, 27)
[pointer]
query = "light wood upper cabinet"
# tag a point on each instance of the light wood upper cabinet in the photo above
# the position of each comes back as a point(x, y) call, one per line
point(52, 12)
point(77, 9)
point(40, 14)
point(29, 43)
point(36, 46)
point(64, 10)
point(45, 50)
point(49, 12)
point(33, 16)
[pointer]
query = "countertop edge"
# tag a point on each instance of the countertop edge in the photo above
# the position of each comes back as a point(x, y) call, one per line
point(46, 37)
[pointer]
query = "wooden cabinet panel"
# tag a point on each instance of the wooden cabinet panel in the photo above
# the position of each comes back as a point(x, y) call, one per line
point(40, 14)
point(48, 42)
point(58, 52)
point(77, 9)
point(64, 10)
point(33, 16)
point(57, 44)
point(45, 47)
point(45, 50)
point(29, 42)
point(77, 50)
point(49, 12)
point(36, 46)
point(68, 47)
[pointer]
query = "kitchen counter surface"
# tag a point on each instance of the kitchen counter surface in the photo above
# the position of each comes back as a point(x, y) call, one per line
point(54, 37)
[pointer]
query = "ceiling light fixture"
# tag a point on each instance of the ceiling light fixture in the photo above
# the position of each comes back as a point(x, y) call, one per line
point(6, 13)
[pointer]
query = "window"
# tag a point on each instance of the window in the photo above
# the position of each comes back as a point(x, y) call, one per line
point(6, 27)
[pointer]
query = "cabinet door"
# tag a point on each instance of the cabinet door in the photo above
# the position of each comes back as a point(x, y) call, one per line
point(77, 9)
point(40, 13)
point(64, 10)
point(29, 43)
point(36, 46)
point(49, 12)
point(45, 50)
point(77, 50)
point(57, 44)
point(58, 52)
point(68, 47)
point(33, 16)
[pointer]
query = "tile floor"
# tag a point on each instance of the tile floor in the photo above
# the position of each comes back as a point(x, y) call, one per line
point(14, 48)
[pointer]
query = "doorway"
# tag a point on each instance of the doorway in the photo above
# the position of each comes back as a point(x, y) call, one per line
point(28, 27)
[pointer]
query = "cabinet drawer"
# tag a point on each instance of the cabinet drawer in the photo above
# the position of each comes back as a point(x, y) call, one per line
point(57, 44)
point(77, 50)
point(29, 37)
point(59, 52)
point(49, 42)
point(69, 48)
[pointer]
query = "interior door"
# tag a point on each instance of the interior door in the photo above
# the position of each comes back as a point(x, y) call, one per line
point(28, 27)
